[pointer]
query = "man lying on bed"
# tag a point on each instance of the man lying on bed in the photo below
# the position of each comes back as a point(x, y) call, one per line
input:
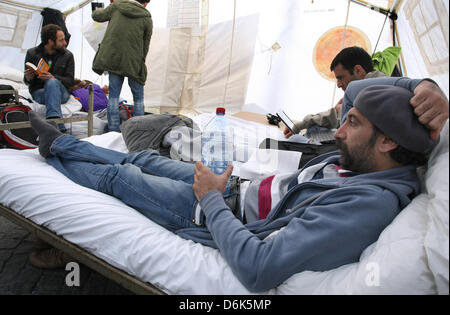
point(329, 211)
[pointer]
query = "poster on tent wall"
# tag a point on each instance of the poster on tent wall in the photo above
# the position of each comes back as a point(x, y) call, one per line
point(297, 41)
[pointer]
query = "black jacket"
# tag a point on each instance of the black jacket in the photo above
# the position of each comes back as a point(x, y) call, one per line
point(62, 66)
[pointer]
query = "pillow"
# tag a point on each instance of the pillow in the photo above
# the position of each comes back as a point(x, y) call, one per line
point(12, 74)
point(436, 238)
point(148, 131)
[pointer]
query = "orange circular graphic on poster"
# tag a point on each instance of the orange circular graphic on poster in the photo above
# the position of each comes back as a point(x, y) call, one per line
point(330, 44)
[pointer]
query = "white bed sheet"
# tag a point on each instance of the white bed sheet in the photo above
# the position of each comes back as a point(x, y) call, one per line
point(410, 257)
point(110, 229)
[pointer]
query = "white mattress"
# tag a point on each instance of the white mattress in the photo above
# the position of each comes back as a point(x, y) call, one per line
point(411, 256)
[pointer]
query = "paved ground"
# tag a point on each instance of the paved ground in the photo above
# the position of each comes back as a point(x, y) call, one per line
point(19, 277)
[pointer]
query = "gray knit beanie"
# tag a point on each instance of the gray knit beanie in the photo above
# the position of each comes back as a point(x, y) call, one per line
point(388, 108)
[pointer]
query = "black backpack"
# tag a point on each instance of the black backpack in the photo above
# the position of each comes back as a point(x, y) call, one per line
point(24, 138)
point(6, 94)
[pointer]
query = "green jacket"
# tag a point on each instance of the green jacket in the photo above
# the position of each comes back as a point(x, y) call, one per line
point(125, 45)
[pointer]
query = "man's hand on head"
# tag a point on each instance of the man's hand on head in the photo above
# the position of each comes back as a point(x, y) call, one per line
point(205, 180)
point(431, 106)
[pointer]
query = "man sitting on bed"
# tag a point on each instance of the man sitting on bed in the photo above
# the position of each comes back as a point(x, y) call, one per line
point(51, 88)
point(329, 211)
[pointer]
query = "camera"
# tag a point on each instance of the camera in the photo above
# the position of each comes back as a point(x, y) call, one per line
point(96, 5)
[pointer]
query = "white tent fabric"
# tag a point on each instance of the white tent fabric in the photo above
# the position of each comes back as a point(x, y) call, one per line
point(184, 76)
point(260, 55)
point(287, 78)
point(261, 73)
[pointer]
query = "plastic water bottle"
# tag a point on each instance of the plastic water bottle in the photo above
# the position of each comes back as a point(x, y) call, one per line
point(217, 143)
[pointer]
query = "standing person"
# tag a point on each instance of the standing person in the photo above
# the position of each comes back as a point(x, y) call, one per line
point(51, 88)
point(123, 51)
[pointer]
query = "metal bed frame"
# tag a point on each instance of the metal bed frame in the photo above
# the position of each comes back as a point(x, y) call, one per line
point(26, 124)
point(119, 276)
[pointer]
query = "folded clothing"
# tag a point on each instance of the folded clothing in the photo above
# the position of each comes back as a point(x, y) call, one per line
point(100, 98)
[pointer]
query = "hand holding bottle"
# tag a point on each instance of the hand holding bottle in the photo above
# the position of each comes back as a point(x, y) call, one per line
point(205, 180)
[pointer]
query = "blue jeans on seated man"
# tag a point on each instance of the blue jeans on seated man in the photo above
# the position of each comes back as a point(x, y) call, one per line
point(52, 96)
point(115, 87)
point(156, 186)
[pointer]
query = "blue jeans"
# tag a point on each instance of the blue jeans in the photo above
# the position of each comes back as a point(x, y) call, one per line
point(115, 87)
point(157, 187)
point(52, 95)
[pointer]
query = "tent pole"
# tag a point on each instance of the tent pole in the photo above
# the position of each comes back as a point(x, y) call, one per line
point(39, 8)
point(402, 60)
point(78, 6)
point(26, 6)
point(372, 7)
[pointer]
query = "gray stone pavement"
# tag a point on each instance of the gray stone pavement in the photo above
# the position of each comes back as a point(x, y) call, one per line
point(19, 277)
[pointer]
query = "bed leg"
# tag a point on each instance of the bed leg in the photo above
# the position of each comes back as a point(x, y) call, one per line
point(91, 111)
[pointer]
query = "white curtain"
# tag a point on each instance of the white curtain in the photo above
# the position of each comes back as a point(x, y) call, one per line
point(193, 72)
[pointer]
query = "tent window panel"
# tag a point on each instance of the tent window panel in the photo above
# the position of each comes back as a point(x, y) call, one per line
point(6, 34)
point(8, 20)
point(183, 13)
point(439, 42)
point(431, 54)
point(418, 19)
point(429, 23)
point(429, 13)
point(13, 25)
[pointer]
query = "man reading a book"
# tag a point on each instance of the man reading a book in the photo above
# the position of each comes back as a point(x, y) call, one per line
point(49, 71)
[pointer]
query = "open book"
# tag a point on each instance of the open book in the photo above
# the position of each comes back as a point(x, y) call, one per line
point(41, 67)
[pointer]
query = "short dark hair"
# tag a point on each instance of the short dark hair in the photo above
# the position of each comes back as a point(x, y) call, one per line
point(49, 32)
point(350, 57)
point(143, 1)
point(400, 154)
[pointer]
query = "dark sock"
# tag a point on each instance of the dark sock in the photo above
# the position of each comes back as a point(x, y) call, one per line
point(47, 131)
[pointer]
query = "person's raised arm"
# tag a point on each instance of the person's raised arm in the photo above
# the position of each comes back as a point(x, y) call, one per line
point(103, 15)
point(431, 106)
point(430, 103)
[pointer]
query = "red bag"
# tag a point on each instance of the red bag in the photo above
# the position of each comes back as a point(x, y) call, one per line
point(24, 138)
